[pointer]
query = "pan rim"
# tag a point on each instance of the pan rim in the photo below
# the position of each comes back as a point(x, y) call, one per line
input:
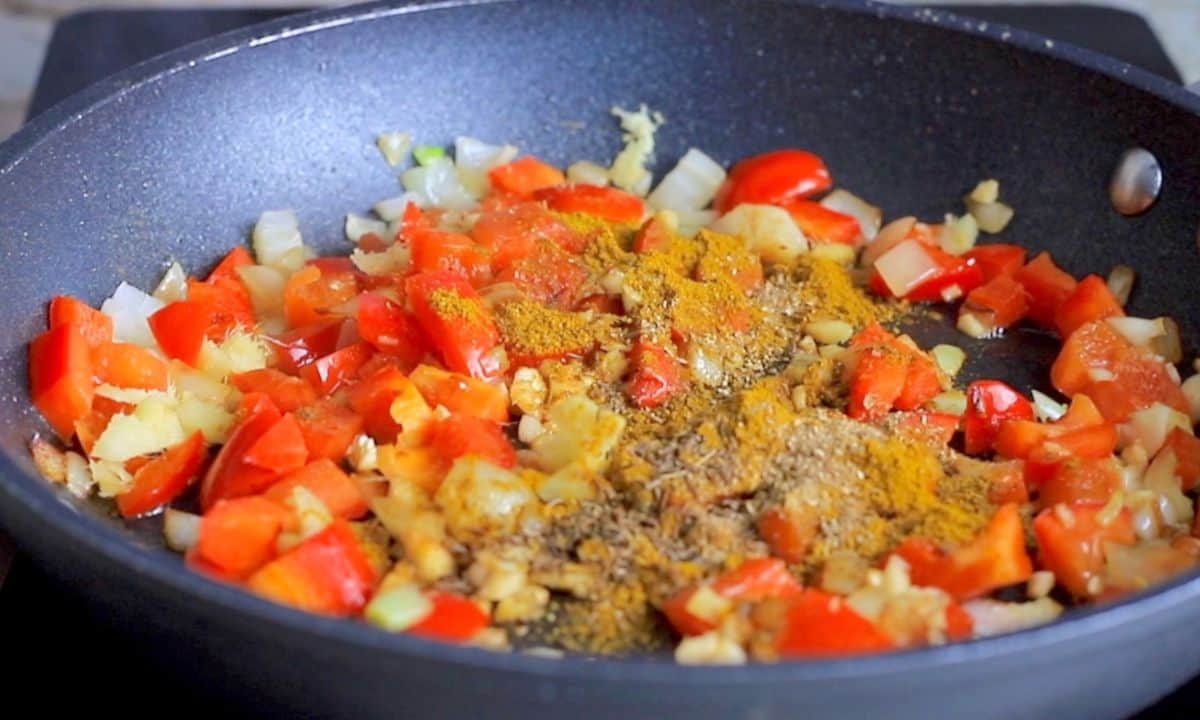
point(104, 540)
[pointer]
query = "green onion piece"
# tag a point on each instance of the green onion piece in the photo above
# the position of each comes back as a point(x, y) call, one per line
point(398, 608)
point(426, 154)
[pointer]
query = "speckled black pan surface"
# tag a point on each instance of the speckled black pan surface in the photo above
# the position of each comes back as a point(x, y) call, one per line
point(175, 159)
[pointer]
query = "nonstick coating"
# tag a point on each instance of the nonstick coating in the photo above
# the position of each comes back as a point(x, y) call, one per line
point(176, 158)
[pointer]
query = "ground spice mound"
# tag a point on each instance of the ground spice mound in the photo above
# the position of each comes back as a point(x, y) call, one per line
point(450, 305)
point(828, 292)
point(531, 330)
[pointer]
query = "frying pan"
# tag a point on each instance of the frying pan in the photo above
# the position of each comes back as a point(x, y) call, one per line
point(176, 157)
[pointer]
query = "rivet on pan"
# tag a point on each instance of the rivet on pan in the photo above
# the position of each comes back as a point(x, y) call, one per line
point(1136, 182)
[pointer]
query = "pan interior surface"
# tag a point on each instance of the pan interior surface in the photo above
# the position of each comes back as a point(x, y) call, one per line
point(177, 165)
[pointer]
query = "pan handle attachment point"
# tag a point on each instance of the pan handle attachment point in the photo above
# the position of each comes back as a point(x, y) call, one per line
point(1136, 182)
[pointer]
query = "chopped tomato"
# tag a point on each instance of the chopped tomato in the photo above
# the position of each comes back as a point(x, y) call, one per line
point(1007, 483)
point(935, 428)
point(1048, 286)
point(788, 534)
point(754, 579)
point(1186, 447)
point(773, 178)
point(435, 250)
point(653, 235)
point(1091, 300)
point(227, 303)
point(95, 326)
point(310, 294)
point(461, 394)
point(1002, 299)
point(1071, 541)
point(287, 392)
point(129, 366)
point(996, 259)
point(820, 625)
point(822, 225)
point(1119, 377)
point(959, 623)
point(180, 328)
point(994, 559)
point(325, 479)
point(60, 377)
point(164, 478)
point(373, 398)
point(390, 329)
point(337, 368)
point(876, 380)
point(459, 435)
point(1018, 438)
point(525, 176)
point(327, 573)
point(230, 476)
point(958, 276)
point(512, 233)
point(300, 346)
point(656, 376)
point(453, 618)
point(457, 322)
point(227, 268)
point(1080, 479)
point(548, 274)
point(604, 202)
point(989, 404)
point(922, 382)
point(238, 536)
point(280, 449)
point(328, 428)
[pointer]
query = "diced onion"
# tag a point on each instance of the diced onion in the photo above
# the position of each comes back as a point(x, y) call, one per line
point(949, 358)
point(181, 529)
point(953, 402)
point(978, 325)
point(586, 172)
point(1046, 408)
point(357, 226)
point(889, 237)
point(906, 266)
point(1191, 391)
point(392, 209)
point(129, 307)
point(869, 217)
point(277, 240)
point(690, 185)
point(437, 184)
point(829, 332)
point(111, 477)
point(690, 221)
point(50, 461)
point(1161, 479)
point(1150, 426)
point(265, 286)
point(78, 475)
point(1168, 345)
point(393, 260)
point(992, 217)
point(958, 234)
point(1120, 283)
point(172, 286)
point(987, 191)
point(1139, 331)
point(705, 368)
point(839, 253)
point(628, 170)
point(395, 146)
point(210, 418)
point(398, 608)
point(768, 231)
point(992, 617)
point(473, 158)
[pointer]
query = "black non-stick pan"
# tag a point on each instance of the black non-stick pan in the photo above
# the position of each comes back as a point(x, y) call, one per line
point(176, 157)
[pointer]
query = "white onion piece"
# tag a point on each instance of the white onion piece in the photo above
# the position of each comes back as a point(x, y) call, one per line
point(276, 238)
point(690, 185)
point(987, 191)
point(1139, 331)
point(186, 380)
point(437, 184)
point(992, 617)
point(958, 234)
point(392, 209)
point(1150, 426)
point(395, 146)
point(705, 368)
point(180, 529)
point(173, 285)
point(889, 237)
point(868, 216)
point(78, 475)
point(1046, 408)
point(473, 158)
point(393, 260)
point(129, 307)
point(906, 266)
point(586, 172)
point(992, 217)
point(1160, 478)
point(1168, 346)
point(1120, 283)
point(1191, 391)
point(690, 221)
point(357, 226)
point(265, 286)
point(628, 170)
point(768, 231)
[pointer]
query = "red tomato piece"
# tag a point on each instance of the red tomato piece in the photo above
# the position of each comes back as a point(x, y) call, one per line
point(60, 377)
point(525, 176)
point(996, 259)
point(456, 321)
point(876, 380)
point(310, 294)
point(337, 490)
point(280, 449)
point(129, 366)
point(180, 328)
point(373, 396)
point(1186, 447)
point(1076, 479)
point(822, 225)
point(459, 435)
point(336, 369)
point(755, 579)
point(238, 536)
point(230, 476)
point(653, 235)
point(96, 327)
point(607, 203)
point(300, 346)
point(1002, 299)
point(227, 268)
point(922, 382)
point(390, 329)
point(1071, 542)
point(789, 535)
point(989, 404)
point(1047, 285)
point(436, 250)
point(227, 302)
point(328, 428)
point(328, 573)
point(461, 394)
point(656, 376)
point(1091, 300)
point(164, 478)
point(958, 277)
point(821, 625)
point(935, 428)
point(512, 233)
point(287, 392)
point(773, 178)
point(453, 618)
point(547, 274)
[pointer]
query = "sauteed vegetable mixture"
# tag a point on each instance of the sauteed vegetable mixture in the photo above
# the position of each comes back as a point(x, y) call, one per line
point(546, 409)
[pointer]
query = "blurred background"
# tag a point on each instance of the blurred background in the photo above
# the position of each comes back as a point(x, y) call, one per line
point(26, 27)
